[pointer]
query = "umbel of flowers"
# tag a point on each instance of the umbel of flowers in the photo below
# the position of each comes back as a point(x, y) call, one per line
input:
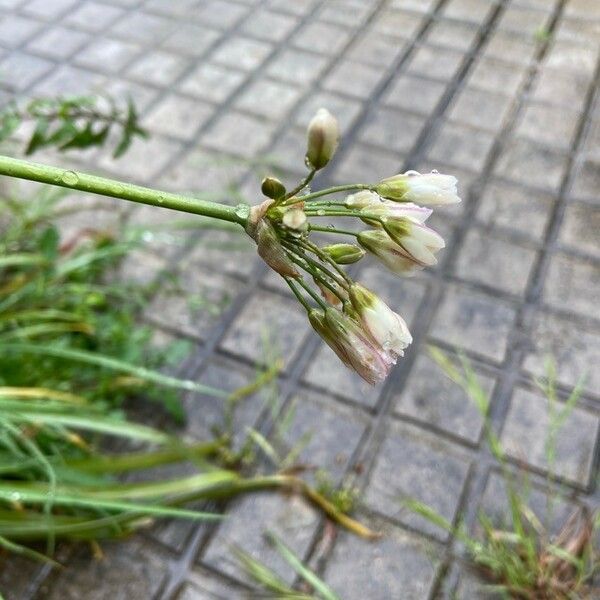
point(358, 326)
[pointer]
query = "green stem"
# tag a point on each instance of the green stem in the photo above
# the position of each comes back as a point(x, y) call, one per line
point(300, 298)
point(300, 186)
point(335, 189)
point(332, 230)
point(22, 169)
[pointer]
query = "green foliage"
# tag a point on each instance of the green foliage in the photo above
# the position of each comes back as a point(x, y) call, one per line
point(72, 123)
point(273, 585)
point(523, 560)
point(66, 323)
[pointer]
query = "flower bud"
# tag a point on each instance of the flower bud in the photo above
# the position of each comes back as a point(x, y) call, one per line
point(272, 188)
point(385, 326)
point(344, 254)
point(271, 251)
point(323, 137)
point(294, 218)
point(362, 199)
point(379, 243)
point(430, 189)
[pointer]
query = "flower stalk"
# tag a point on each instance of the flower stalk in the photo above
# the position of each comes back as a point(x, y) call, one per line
point(360, 328)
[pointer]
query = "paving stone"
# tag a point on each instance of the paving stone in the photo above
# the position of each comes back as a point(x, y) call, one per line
point(238, 134)
point(530, 428)
point(496, 262)
point(289, 517)
point(145, 158)
point(399, 566)
point(129, 570)
point(472, 587)
point(267, 316)
point(346, 110)
point(430, 473)
point(580, 227)
point(178, 116)
point(68, 80)
point(390, 129)
point(220, 14)
point(414, 94)
point(479, 108)
point(525, 162)
point(108, 55)
point(15, 30)
point(205, 414)
point(362, 164)
point(474, 322)
point(299, 7)
point(268, 99)
point(193, 302)
point(451, 34)
point(551, 508)
point(572, 284)
point(174, 8)
point(93, 16)
point(561, 88)
point(16, 576)
point(505, 205)
point(327, 372)
point(431, 397)
point(122, 90)
point(524, 21)
point(297, 67)
point(354, 79)
point(350, 13)
point(468, 10)
point(58, 42)
point(461, 146)
point(205, 586)
point(327, 434)
point(583, 9)
point(242, 53)
point(571, 57)
point(324, 38)
point(190, 38)
point(233, 251)
point(584, 32)
point(212, 82)
point(534, 125)
point(374, 48)
point(591, 145)
point(496, 76)
point(268, 25)
point(142, 27)
point(585, 184)
point(20, 70)
point(572, 345)
point(397, 23)
point(435, 63)
point(42, 9)
point(158, 68)
point(509, 47)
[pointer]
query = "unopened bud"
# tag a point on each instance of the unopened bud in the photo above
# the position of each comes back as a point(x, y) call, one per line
point(344, 254)
point(272, 188)
point(271, 251)
point(362, 199)
point(294, 218)
point(323, 137)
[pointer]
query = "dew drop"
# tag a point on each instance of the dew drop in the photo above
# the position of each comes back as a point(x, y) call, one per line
point(15, 496)
point(70, 178)
point(321, 212)
point(412, 173)
point(242, 211)
point(435, 172)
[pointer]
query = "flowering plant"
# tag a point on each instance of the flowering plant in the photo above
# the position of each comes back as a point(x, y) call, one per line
point(358, 326)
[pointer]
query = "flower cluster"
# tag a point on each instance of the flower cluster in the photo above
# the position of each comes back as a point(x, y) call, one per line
point(358, 326)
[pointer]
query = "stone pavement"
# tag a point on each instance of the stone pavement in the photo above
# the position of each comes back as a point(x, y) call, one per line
point(503, 93)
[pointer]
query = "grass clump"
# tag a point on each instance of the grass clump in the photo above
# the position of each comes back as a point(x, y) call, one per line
point(522, 559)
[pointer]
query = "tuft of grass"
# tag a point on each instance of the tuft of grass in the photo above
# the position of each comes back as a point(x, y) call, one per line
point(275, 587)
point(524, 560)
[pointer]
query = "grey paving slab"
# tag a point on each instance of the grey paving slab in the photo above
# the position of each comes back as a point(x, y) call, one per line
point(498, 92)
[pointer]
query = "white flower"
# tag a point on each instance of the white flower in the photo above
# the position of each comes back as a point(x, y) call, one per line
point(384, 325)
point(432, 189)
